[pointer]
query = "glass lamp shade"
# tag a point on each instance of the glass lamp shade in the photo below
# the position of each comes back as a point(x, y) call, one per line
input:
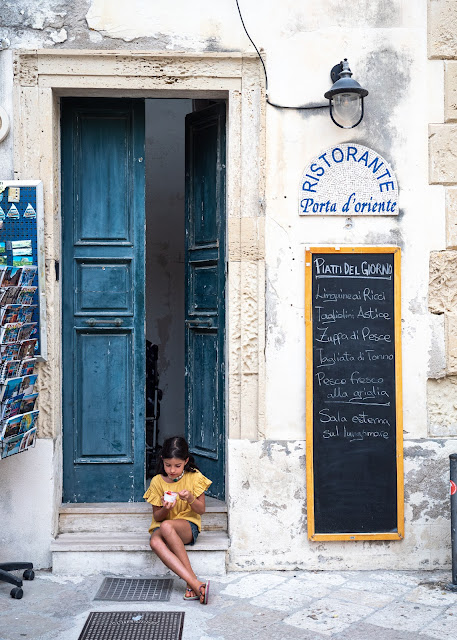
point(346, 109)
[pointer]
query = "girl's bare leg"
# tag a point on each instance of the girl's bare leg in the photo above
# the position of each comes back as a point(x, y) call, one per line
point(176, 534)
point(168, 543)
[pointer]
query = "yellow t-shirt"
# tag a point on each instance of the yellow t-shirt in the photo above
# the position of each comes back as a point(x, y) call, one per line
point(195, 482)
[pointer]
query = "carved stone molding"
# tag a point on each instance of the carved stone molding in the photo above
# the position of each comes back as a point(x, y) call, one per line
point(41, 77)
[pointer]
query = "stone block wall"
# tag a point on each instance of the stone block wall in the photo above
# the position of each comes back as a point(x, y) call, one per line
point(442, 384)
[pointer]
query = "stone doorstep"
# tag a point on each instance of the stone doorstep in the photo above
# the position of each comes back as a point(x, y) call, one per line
point(139, 523)
point(212, 506)
point(131, 541)
point(133, 563)
point(129, 553)
point(133, 517)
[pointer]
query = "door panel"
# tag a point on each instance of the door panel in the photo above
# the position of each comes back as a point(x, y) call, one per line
point(205, 292)
point(103, 171)
point(204, 364)
point(109, 437)
point(103, 286)
point(103, 299)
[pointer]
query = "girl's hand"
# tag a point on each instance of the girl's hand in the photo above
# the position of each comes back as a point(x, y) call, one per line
point(186, 495)
point(168, 505)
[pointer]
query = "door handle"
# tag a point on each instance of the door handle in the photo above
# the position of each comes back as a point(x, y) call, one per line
point(92, 322)
point(200, 322)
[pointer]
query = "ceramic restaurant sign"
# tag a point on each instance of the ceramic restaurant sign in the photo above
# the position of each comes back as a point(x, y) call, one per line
point(348, 180)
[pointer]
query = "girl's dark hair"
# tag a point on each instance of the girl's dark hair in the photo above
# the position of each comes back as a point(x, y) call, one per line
point(176, 447)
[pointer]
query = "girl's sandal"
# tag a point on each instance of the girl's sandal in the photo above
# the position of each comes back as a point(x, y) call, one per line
point(204, 595)
point(190, 597)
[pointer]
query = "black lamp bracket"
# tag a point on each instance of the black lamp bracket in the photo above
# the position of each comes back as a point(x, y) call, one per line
point(335, 72)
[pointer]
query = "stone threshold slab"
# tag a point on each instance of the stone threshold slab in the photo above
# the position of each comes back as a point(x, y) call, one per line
point(128, 541)
point(212, 506)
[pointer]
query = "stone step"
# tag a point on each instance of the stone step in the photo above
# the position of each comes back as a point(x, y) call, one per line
point(86, 553)
point(132, 517)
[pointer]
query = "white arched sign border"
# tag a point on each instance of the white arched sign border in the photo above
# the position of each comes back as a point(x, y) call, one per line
point(348, 179)
point(4, 124)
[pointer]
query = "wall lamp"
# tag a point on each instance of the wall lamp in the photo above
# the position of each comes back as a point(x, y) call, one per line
point(345, 97)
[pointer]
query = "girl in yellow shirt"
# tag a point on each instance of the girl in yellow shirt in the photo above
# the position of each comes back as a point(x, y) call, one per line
point(177, 521)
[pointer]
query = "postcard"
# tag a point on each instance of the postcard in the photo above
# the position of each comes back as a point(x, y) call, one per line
point(27, 384)
point(25, 295)
point(10, 369)
point(22, 261)
point(12, 407)
point(11, 277)
point(12, 427)
point(3, 260)
point(28, 421)
point(10, 351)
point(10, 447)
point(9, 295)
point(26, 331)
point(28, 276)
point(20, 244)
point(2, 270)
point(25, 314)
point(27, 403)
point(27, 349)
point(27, 367)
point(28, 440)
point(25, 251)
point(12, 388)
point(2, 247)
point(9, 332)
point(10, 313)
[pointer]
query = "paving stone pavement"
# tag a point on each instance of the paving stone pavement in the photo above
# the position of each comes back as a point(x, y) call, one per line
point(308, 605)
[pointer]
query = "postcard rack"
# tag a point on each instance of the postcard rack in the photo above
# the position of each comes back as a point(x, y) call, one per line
point(20, 299)
point(18, 416)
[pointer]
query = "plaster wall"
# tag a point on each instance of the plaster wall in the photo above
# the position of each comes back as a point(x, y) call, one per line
point(6, 101)
point(270, 531)
point(27, 505)
point(387, 47)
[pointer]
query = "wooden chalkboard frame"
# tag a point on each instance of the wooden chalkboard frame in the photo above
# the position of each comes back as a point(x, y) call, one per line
point(399, 533)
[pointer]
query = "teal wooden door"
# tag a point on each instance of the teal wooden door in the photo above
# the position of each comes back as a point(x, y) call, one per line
point(103, 299)
point(205, 292)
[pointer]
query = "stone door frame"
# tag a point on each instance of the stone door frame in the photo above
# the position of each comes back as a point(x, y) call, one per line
point(41, 77)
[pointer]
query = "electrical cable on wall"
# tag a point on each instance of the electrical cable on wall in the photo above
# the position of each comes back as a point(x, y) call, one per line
point(278, 106)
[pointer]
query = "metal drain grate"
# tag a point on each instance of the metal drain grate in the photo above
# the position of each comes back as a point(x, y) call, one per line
point(133, 625)
point(135, 589)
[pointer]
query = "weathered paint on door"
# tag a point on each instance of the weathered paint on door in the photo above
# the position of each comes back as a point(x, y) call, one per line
point(103, 299)
point(205, 292)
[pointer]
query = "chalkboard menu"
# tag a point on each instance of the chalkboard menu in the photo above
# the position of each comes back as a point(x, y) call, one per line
point(354, 413)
